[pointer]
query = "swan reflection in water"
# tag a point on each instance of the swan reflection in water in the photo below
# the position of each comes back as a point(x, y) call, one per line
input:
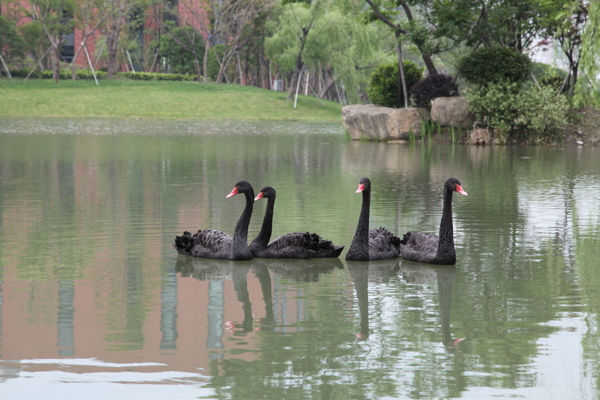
point(363, 272)
point(220, 270)
point(444, 276)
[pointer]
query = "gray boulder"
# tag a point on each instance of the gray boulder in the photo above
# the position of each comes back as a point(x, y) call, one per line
point(452, 111)
point(382, 123)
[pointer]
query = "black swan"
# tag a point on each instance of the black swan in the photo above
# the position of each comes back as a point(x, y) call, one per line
point(301, 245)
point(218, 245)
point(429, 248)
point(374, 244)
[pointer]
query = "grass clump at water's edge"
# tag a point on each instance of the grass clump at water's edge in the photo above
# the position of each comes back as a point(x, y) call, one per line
point(157, 100)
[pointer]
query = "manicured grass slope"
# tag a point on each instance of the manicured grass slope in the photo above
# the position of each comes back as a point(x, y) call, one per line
point(161, 100)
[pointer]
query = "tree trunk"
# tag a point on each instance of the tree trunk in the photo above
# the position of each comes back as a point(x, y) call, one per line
point(425, 55)
point(197, 68)
point(431, 70)
point(55, 63)
point(330, 82)
point(401, 78)
point(205, 61)
point(112, 43)
point(74, 64)
point(224, 65)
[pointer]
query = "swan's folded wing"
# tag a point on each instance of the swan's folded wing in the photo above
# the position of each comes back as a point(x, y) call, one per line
point(212, 241)
point(384, 243)
point(296, 239)
point(420, 247)
point(421, 241)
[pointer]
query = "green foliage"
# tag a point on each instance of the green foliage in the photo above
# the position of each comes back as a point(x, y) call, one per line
point(47, 74)
point(213, 65)
point(337, 41)
point(531, 113)
point(554, 82)
point(11, 43)
point(432, 87)
point(383, 89)
point(590, 64)
point(493, 65)
point(34, 37)
point(153, 76)
point(178, 47)
point(541, 70)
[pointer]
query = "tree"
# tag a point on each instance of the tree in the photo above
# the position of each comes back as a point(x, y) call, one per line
point(193, 14)
point(386, 13)
point(324, 34)
point(115, 24)
point(11, 43)
point(234, 19)
point(507, 23)
point(34, 37)
point(182, 46)
point(590, 49)
point(90, 15)
point(288, 43)
point(57, 20)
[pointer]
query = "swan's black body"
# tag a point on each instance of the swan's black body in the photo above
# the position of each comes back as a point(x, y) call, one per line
point(374, 244)
point(219, 245)
point(301, 245)
point(431, 249)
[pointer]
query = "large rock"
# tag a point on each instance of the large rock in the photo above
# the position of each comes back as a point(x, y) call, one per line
point(382, 123)
point(452, 111)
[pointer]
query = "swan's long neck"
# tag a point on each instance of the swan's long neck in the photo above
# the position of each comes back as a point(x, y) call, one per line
point(240, 234)
point(267, 226)
point(446, 235)
point(360, 243)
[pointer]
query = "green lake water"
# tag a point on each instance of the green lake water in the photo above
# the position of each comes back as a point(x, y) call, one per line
point(96, 304)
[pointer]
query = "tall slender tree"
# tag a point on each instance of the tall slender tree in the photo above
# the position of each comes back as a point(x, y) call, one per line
point(57, 18)
point(590, 51)
point(90, 15)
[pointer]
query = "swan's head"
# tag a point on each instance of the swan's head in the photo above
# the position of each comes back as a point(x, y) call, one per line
point(265, 193)
point(363, 184)
point(454, 185)
point(240, 187)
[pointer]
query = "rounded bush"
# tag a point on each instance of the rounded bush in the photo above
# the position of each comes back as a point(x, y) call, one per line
point(432, 87)
point(530, 113)
point(383, 87)
point(493, 65)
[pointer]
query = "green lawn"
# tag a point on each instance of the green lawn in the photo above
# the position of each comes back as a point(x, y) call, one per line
point(160, 100)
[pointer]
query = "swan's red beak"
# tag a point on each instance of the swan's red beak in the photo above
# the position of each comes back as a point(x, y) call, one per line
point(258, 196)
point(361, 187)
point(460, 190)
point(233, 192)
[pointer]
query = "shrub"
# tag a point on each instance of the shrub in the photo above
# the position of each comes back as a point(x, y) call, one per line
point(493, 65)
point(383, 87)
point(554, 82)
point(87, 74)
point(22, 73)
point(532, 113)
point(48, 74)
point(432, 87)
point(153, 76)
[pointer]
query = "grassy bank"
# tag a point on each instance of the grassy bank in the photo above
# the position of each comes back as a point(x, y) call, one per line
point(160, 100)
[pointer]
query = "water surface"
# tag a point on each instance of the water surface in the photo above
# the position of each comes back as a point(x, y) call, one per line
point(94, 301)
